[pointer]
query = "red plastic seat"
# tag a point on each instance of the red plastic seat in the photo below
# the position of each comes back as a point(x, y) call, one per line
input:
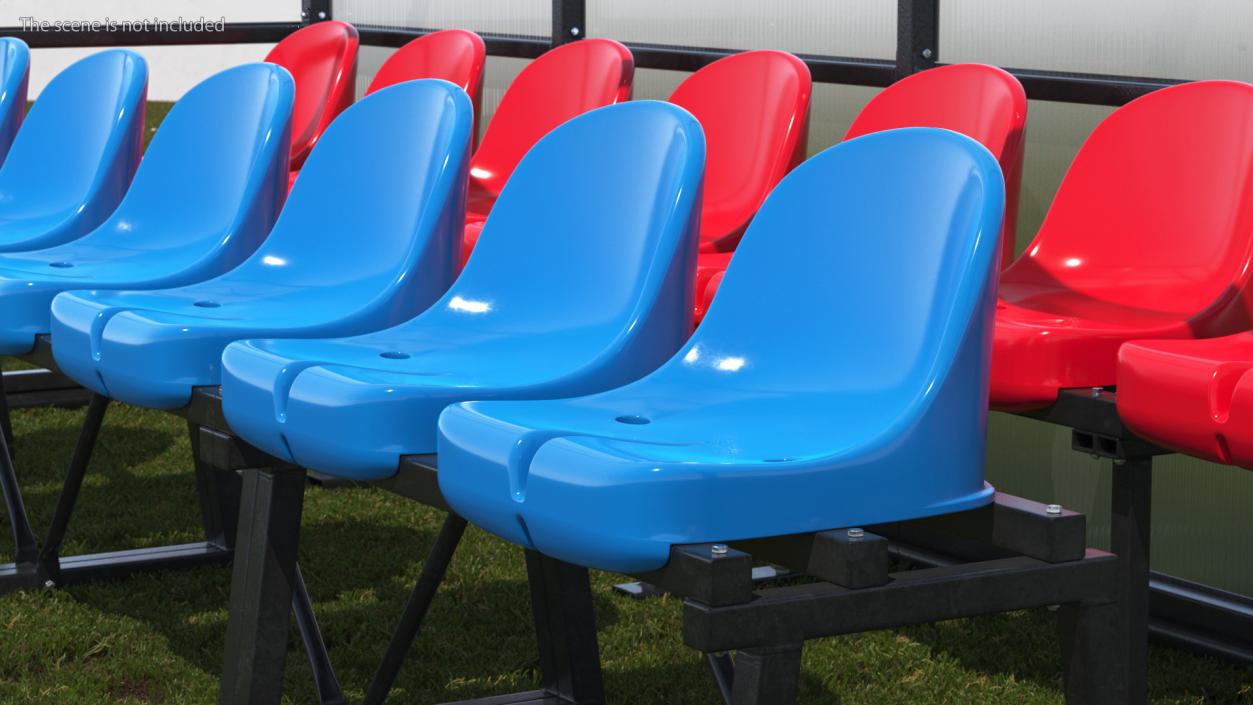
point(1193, 396)
point(455, 55)
point(982, 102)
point(754, 108)
point(322, 58)
point(562, 83)
point(1149, 236)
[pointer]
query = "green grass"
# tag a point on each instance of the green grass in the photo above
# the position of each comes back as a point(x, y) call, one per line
point(159, 638)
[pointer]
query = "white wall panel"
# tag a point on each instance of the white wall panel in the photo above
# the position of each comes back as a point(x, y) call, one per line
point(510, 17)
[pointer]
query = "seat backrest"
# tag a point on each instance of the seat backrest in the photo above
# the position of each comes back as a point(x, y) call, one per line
point(868, 272)
point(392, 233)
point(1156, 210)
point(594, 239)
point(562, 83)
point(982, 102)
point(455, 55)
point(322, 58)
point(78, 148)
point(14, 79)
point(754, 107)
point(215, 172)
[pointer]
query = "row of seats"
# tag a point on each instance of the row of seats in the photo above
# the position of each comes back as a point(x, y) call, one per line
point(857, 336)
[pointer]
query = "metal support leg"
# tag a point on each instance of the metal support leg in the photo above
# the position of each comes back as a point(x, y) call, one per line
point(218, 490)
point(6, 423)
point(49, 553)
point(415, 610)
point(724, 673)
point(565, 627)
point(1092, 654)
point(767, 675)
point(262, 586)
point(1130, 524)
point(27, 549)
point(324, 679)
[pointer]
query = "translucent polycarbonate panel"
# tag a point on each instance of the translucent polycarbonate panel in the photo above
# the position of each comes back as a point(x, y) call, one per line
point(1156, 38)
point(520, 18)
point(131, 11)
point(853, 28)
point(498, 73)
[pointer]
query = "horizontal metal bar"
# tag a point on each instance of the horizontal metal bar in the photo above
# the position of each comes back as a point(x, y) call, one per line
point(115, 564)
point(530, 697)
point(497, 44)
point(823, 69)
point(232, 33)
point(913, 597)
point(1091, 89)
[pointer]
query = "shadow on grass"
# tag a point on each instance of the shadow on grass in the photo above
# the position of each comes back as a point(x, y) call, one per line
point(1024, 645)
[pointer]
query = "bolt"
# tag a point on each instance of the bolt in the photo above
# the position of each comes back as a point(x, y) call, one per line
point(321, 14)
point(718, 549)
point(926, 53)
point(1120, 461)
point(1053, 509)
point(856, 533)
point(50, 584)
point(304, 14)
point(574, 31)
point(1096, 456)
point(1096, 391)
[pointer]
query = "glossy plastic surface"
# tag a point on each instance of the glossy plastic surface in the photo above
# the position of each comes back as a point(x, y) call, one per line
point(982, 102)
point(73, 158)
point(598, 296)
point(562, 83)
point(454, 55)
point(209, 188)
point(14, 79)
point(1149, 236)
point(1193, 396)
point(322, 58)
point(820, 392)
point(150, 348)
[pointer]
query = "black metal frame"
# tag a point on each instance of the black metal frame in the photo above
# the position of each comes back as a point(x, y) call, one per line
point(1177, 611)
point(1025, 555)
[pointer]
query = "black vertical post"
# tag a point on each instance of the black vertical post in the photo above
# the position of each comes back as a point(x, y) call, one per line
point(1091, 640)
point(917, 36)
point(767, 675)
point(218, 489)
point(569, 21)
point(262, 585)
point(27, 548)
point(1130, 525)
point(315, 11)
point(565, 627)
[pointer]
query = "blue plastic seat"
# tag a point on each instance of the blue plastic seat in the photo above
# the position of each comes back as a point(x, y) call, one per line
point(582, 281)
point(347, 256)
point(73, 158)
point(206, 194)
point(842, 387)
point(14, 79)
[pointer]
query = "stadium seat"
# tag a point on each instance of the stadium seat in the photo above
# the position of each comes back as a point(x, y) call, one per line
point(981, 102)
point(75, 154)
point(562, 83)
point(322, 58)
point(455, 55)
point(1192, 396)
point(14, 78)
point(754, 107)
point(840, 379)
point(598, 296)
point(1150, 235)
point(150, 348)
point(209, 188)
